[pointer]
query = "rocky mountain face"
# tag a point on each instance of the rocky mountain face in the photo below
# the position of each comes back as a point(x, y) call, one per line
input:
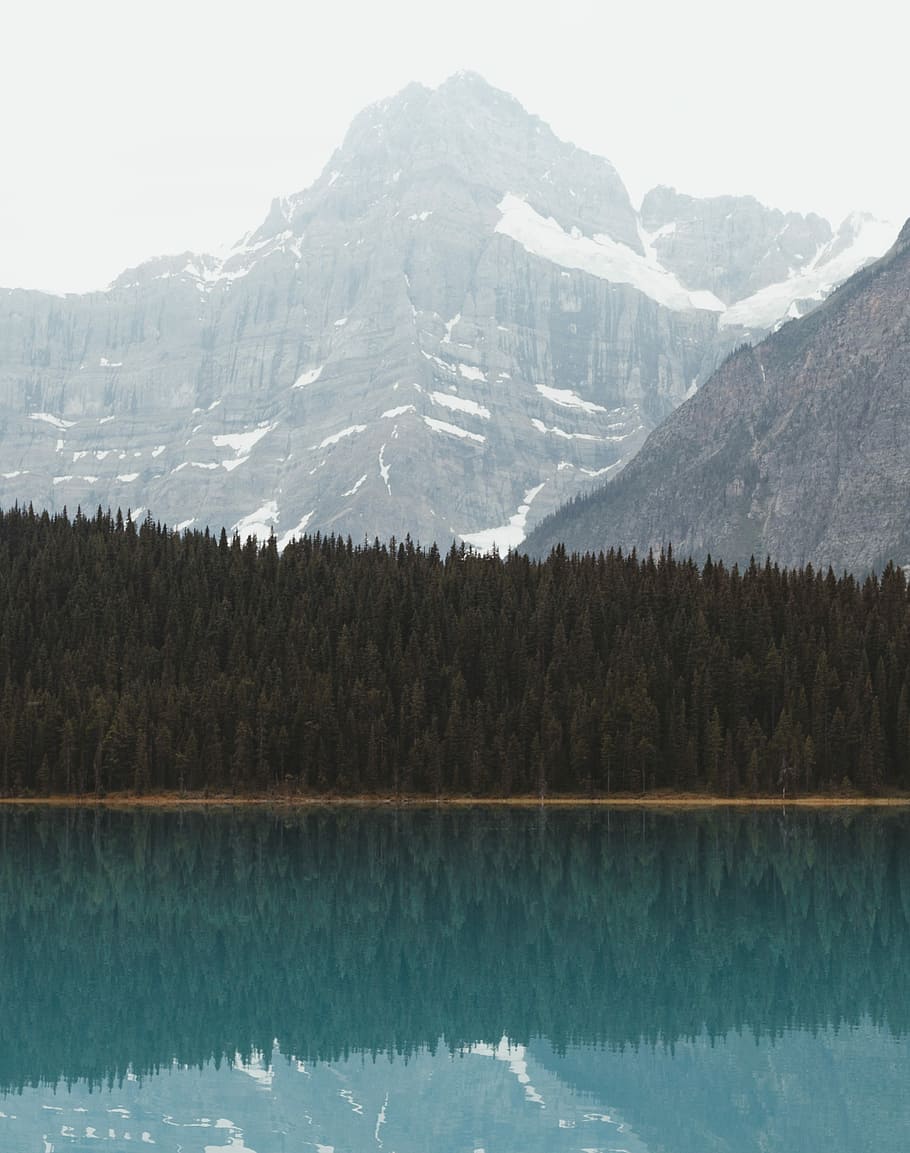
point(462, 324)
point(732, 246)
point(796, 448)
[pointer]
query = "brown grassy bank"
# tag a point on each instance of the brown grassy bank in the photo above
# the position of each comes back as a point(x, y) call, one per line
point(303, 801)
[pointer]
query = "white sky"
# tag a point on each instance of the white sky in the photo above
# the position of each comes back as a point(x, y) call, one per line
point(131, 129)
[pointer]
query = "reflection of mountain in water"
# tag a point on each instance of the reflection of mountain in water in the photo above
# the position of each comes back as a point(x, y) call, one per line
point(133, 939)
point(432, 1101)
point(835, 1090)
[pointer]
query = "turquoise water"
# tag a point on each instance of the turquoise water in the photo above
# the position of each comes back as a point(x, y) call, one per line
point(434, 981)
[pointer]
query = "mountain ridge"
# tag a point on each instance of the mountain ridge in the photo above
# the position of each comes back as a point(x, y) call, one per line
point(452, 331)
point(792, 449)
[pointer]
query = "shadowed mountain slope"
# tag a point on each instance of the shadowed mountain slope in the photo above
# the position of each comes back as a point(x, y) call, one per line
point(797, 447)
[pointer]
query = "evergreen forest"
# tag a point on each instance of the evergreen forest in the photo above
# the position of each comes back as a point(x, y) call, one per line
point(135, 659)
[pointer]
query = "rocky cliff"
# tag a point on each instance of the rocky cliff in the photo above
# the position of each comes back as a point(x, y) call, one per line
point(463, 323)
point(796, 447)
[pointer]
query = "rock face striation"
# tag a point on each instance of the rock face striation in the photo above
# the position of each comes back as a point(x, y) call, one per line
point(462, 324)
point(796, 448)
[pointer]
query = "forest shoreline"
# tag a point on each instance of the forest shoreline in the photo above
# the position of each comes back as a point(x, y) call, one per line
point(368, 801)
point(134, 662)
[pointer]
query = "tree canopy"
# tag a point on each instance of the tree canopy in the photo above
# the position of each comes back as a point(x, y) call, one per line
point(136, 659)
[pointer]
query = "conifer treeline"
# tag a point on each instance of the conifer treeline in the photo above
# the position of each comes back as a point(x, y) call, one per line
point(136, 659)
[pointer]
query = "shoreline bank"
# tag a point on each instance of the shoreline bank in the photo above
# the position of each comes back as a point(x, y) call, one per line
point(326, 801)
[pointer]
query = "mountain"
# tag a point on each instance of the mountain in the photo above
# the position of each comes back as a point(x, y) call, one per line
point(453, 331)
point(796, 448)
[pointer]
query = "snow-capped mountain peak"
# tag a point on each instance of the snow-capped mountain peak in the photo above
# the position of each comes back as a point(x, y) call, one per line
point(462, 323)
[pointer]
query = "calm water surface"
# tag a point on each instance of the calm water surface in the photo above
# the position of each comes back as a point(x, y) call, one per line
point(448, 982)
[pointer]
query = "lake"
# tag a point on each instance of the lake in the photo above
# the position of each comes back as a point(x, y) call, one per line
point(451, 981)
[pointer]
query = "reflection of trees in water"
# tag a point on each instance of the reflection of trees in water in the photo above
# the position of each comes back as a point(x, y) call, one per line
point(131, 939)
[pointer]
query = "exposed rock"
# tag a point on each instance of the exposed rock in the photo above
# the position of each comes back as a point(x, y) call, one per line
point(732, 245)
point(455, 329)
point(796, 448)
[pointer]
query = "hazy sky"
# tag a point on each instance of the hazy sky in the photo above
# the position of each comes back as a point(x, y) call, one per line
point(131, 128)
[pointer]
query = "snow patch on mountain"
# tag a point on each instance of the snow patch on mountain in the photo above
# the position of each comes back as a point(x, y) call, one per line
point(49, 418)
point(351, 430)
point(259, 523)
point(384, 470)
point(353, 490)
point(452, 430)
point(865, 240)
point(568, 399)
point(505, 536)
point(460, 404)
point(298, 530)
point(308, 377)
point(450, 324)
point(242, 442)
point(595, 472)
point(599, 256)
point(555, 431)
